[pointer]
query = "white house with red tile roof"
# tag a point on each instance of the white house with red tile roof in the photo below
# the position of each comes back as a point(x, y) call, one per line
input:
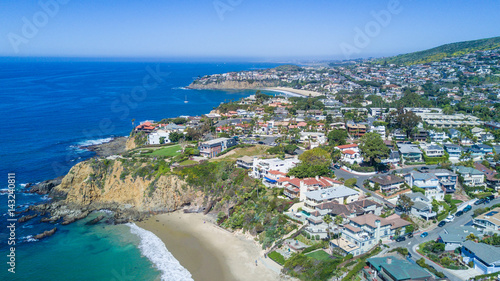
point(350, 153)
point(262, 167)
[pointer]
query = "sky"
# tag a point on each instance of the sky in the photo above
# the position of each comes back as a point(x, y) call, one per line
point(279, 29)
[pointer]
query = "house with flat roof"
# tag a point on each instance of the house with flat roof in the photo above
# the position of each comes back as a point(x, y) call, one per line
point(393, 268)
point(213, 147)
point(489, 221)
point(262, 167)
point(296, 188)
point(434, 151)
point(340, 194)
point(245, 162)
point(486, 258)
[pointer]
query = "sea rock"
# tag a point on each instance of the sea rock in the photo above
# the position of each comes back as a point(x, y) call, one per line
point(46, 233)
point(74, 217)
point(95, 220)
point(50, 219)
point(27, 218)
point(46, 186)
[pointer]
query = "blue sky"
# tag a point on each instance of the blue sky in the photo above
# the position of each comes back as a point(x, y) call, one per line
point(326, 29)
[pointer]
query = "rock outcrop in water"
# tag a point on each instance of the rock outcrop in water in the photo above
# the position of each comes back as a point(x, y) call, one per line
point(46, 233)
point(46, 186)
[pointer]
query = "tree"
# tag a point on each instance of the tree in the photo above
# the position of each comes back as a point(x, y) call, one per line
point(336, 155)
point(373, 148)
point(405, 203)
point(338, 220)
point(337, 137)
point(328, 220)
point(175, 137)
point(410, 228)
point(435, 206)
point(350, 182)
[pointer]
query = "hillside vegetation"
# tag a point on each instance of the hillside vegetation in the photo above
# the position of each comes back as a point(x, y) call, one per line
point(444, 51)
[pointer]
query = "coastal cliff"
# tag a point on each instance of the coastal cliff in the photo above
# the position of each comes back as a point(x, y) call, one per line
point(224, 85)
point(107, 184)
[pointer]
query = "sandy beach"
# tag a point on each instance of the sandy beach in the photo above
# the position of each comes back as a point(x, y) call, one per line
point(209, 252)
point(295, 91)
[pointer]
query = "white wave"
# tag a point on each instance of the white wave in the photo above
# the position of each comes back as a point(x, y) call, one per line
point(181, 88)
point(106, 211)
point(155, 250)
point(94, 142)
point(28, 238)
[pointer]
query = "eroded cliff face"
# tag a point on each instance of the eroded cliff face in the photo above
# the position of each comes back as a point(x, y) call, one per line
point(130, 144)
point(234, 85)
point(88, 186)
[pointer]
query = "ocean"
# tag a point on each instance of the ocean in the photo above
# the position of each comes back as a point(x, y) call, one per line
point(52, 107)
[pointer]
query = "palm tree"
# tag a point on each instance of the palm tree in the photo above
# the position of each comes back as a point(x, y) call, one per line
point(328, 220)
point(338, 221)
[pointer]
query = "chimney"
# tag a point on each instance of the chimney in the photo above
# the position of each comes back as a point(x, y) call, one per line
point(317, 177)
point(389, 260)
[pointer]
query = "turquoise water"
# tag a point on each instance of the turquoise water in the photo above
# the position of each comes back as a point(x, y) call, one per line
point(81, 252)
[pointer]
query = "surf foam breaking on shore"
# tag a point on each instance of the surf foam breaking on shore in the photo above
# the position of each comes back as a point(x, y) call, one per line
point(94, 142)
point(155, 250)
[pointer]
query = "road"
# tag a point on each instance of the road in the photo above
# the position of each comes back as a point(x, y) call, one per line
point(433, 235)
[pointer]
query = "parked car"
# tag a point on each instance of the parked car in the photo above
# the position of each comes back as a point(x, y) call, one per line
point(424, 234)
point(450, 218)
point(441, 223)
point(336, 166)
point(400, 239)
point(459, 213)
point(410, 235)
point(467, 208)
point(479, 202)
point(261, 142)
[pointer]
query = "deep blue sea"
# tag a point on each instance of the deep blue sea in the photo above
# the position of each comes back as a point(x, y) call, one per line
point(50, 108)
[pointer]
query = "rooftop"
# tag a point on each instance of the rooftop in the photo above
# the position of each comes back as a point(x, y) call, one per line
point(331, 193)
point(487, 253)
point(398, 268)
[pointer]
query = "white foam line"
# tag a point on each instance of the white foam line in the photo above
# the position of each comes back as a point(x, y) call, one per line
point(155, 250)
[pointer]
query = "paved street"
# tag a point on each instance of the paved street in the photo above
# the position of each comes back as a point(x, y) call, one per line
point(412, 243)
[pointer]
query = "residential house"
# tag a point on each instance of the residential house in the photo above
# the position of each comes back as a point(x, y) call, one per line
point(146, 126)
point(447, 179)
point(159, 137)
point(314, 139)
point(471, 176)
point(454, 151)
point(245, 162)
point(420, 135)
point(261, 167)
point(364, 232)
point(434, 151)
point(392, 268)
point(492, 179)
point(296, 188)
point(488, 222)
point(410, 153)
point(213, 147)
point(394, 158)
point(422, 206)
point(356, 130)
point(438, 137)
point(387, 183)
point(453, 237)
point(350, 153)
point(398, 135)
point(379, 130)
point(353, 209)
point(340, 194)
point(428, 182)
point(486, 258)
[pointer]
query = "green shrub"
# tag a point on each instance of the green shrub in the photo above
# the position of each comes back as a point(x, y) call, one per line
point(277, 257)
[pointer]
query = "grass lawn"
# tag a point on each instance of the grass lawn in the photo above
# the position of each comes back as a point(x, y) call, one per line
point(188, 162)
point(319, 255)
point(244, 151)
point(167, 151)
point(456, 201)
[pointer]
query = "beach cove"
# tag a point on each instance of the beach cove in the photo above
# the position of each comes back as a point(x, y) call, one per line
point(209, 252)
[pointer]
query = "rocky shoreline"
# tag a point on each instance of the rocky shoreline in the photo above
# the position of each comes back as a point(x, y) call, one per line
point(114, 147)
